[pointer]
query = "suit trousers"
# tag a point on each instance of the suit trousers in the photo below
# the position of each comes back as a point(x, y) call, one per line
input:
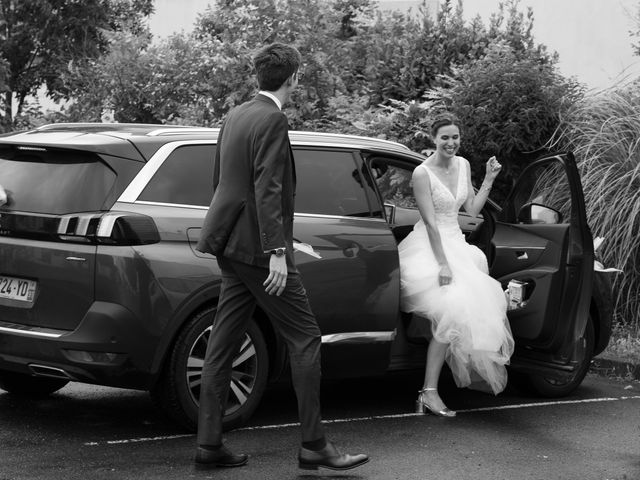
point(242, 288)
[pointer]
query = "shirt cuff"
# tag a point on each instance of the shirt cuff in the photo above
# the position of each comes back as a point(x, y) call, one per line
point(277, 248)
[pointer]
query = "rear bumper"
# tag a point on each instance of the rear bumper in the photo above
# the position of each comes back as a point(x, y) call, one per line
point(110, 347)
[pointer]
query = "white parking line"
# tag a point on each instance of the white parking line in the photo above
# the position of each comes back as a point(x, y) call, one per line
point(373, 417)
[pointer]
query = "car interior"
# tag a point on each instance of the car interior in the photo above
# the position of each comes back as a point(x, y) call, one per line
point(393, 178)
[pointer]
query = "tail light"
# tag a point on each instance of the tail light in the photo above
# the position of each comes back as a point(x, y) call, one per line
point(111, 228)
point(127, 229)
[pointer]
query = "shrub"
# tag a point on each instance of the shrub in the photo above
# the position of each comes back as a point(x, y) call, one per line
point(603, 130)
point(509, 104)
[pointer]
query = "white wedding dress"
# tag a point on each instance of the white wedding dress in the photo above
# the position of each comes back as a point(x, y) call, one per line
point(470, 313)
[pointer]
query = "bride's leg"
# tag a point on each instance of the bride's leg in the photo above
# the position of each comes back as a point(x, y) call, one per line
point(429, 393)
point(435, 360)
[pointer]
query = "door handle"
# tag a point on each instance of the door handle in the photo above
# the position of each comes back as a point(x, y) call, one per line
point(522, 255)
point(351, 252)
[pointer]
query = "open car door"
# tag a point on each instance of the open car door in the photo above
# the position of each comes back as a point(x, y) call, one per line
point(544, 247)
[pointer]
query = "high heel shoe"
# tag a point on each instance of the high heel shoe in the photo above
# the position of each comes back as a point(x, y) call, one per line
point(423, 407)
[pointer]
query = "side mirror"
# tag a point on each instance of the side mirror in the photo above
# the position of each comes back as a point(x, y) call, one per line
point(390, 211)
point(534, 213)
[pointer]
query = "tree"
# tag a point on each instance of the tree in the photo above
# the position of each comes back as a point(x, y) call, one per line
point(400, 56)
point(177, 80)
point(197, 78)
point(319, 29)
point(39, 38)
point(365, 71)
point(636, 32)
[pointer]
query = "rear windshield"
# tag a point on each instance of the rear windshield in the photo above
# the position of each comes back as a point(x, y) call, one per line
point(54, 182)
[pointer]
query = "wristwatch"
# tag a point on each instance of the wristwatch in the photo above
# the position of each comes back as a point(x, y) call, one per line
point(278, 252)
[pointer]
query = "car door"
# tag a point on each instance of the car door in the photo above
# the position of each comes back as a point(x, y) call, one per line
point(47, 262)
point(543, 240)
point(353, 287)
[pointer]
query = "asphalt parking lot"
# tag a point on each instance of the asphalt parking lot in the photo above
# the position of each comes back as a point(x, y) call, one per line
point(95, 432)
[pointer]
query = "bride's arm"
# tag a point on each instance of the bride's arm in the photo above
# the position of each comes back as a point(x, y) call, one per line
point(422, 194)
point(475, 201)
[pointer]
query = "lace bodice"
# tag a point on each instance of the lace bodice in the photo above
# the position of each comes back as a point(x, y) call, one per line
point(445, 204)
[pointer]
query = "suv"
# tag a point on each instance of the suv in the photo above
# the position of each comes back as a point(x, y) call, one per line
point(100, 281)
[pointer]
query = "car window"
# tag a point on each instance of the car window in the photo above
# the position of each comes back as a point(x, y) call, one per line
point(394, 183)
point(185, 177)
point(546, 185)
point(328, 182)
point(54, 182)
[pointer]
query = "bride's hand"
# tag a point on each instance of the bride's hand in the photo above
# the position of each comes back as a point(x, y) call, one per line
point(493, 168)
point(444, 277)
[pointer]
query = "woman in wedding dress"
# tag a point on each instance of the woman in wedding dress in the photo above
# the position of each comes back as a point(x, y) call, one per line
point(446, 280)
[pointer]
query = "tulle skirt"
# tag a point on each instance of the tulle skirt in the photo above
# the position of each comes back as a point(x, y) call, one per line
point(469, 314)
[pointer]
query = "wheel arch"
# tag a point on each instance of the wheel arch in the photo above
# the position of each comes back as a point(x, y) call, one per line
point(200, 301)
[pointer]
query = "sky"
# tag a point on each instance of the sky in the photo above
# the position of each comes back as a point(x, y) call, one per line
point(591, 37)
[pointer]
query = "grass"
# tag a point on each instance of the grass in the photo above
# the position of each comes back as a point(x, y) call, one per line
point(603, 131)
point(624, 344)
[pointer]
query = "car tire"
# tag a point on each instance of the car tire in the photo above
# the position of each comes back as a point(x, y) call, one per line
point(178, 390)
point(552, 388)
point(29, 385)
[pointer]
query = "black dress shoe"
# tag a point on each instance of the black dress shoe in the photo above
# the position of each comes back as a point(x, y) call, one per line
point(329, 457)
point(221, 457)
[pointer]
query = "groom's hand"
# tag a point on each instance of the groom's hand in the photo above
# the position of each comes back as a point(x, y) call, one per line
point(277, 279)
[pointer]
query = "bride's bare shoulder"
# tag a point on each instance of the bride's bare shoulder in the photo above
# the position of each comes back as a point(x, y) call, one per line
point(421, 174)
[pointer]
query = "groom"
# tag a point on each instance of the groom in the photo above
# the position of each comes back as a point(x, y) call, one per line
point(249, 228)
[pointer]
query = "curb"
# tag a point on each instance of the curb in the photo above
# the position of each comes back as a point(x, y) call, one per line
point(615, 368)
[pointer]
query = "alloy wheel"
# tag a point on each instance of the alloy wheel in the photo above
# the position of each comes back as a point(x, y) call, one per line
point(243, 374)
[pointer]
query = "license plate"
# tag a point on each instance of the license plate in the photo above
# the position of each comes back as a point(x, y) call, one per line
point(17, 289)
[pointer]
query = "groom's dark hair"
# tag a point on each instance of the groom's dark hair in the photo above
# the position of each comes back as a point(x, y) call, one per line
point(274, 64)
point(443, 120)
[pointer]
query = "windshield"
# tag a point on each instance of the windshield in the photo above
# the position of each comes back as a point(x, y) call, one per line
point(54, 182)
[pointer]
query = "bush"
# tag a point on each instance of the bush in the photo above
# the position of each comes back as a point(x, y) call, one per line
point(510, 104)
point(603, 131)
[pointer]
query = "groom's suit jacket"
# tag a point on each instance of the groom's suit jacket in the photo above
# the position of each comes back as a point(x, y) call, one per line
point(254, 186)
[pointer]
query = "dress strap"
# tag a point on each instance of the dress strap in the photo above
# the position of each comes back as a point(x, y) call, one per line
point(428, 170)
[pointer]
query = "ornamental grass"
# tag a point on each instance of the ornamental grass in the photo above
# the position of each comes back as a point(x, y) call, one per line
point(603, 131)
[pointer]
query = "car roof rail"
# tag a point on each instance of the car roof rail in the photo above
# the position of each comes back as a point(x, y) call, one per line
point(176, 129)
point(148, 129)
point(300, 134)
point(92, 126)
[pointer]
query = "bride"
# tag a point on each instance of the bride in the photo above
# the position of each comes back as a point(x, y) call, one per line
point(446, 280)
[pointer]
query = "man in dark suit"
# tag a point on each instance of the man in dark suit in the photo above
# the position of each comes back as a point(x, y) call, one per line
point(249, 227)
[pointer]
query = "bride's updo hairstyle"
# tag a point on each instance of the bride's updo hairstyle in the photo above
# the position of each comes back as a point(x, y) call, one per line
point(443, 120)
